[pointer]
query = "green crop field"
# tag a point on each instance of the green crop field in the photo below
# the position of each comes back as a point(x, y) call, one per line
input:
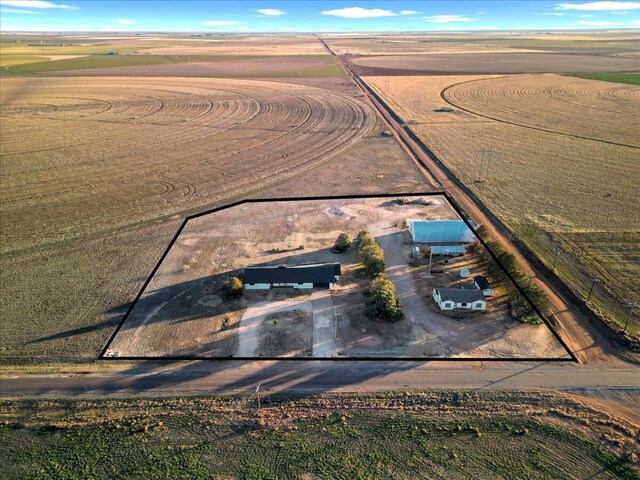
point(630, 78)
point(93, 61)
point(228, 438)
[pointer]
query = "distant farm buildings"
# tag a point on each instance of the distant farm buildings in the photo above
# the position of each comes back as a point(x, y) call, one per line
point(440, 231)
point(467, 297)
point(317, 275)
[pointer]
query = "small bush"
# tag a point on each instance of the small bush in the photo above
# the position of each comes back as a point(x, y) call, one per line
point(343, 243)
point(234, 287)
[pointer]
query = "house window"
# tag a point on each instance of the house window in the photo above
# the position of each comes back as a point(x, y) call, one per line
point(465, 305)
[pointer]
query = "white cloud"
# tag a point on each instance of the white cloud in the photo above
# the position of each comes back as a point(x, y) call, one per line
point(598, 6)
point(358, 12)
point(596, 23)
point(18, 10)
point(35, 4)
point(448, 19)
point(587, 15)
point(409, 12)
point(271, 12)
point(125, 21)
point(553, 14)
point(220, 23)
point(459, 28)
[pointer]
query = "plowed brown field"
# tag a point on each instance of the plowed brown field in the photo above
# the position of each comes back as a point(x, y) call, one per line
point(88, 154)
point(490, 63)
point(562, 171)
point(98, 173)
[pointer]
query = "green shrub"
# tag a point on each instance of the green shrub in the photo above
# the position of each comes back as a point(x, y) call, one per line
point(520, 308)
point(382, 302)
point(370, 253)
point(234, 287)
point(342, 243)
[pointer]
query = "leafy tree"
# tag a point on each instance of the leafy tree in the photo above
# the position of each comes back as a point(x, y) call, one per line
point(382, 302)
point(370, 253)
point(342, 243)
point(373, 264)
point(363, 239)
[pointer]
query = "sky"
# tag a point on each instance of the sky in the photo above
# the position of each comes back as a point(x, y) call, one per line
point(314, 16)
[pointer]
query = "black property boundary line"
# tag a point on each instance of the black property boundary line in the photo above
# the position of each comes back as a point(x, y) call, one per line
point(451, 202)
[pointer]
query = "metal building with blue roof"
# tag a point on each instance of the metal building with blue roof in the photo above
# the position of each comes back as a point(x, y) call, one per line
point(440, 231)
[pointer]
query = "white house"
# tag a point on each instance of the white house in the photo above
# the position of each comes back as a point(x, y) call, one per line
point(315, 275)
point(469, 297)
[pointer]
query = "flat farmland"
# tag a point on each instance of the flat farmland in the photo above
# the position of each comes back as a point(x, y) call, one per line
point(175, 65)
point(555, 157)
point(97, 174)
point(105, 152)
point(491, 63)
point(483, 42)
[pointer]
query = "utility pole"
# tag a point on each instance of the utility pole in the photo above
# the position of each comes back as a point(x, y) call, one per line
point(593, 283)
point(430, 258)
point(631, 306)
point(488, 161)
point(258, 395)
point(555, 260)
point(479, 179)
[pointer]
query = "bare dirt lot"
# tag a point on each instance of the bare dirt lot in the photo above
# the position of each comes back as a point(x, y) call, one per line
point(169, 319)
point(560, 156)
point(97, 175)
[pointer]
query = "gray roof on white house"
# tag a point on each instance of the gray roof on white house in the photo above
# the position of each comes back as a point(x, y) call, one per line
point(482, 282)
point(466, 294)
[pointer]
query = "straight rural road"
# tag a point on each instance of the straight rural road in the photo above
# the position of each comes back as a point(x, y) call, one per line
point(320, 376)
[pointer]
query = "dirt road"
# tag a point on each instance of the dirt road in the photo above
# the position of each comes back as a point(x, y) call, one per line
point(582, 338)
point(319, 376)
point(324, 324)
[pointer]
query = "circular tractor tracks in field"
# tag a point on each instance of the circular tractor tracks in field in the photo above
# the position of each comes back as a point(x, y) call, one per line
point(85, 153)
point(584, 109)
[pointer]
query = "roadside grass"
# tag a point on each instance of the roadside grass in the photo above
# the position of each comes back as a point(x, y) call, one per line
point(630, 78)
point(227, 437)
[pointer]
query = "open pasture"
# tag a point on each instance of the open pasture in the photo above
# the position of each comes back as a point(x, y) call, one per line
point(418, 434)
point(564, 159)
